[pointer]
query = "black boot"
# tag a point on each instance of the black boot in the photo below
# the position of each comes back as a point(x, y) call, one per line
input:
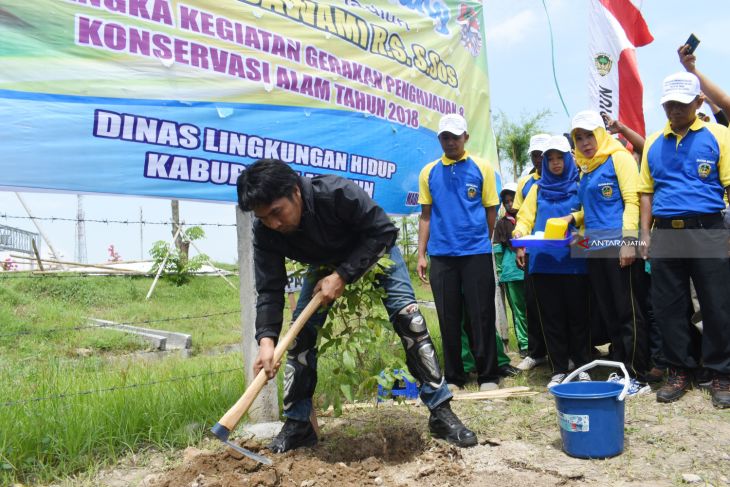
point(678, 382)
point(444, 424)
point(294, 434)
point(720, 391)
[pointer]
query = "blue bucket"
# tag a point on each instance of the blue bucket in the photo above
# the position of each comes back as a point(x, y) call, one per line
point(591, 415)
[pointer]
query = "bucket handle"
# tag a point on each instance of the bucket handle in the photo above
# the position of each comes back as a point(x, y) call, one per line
point(606, 363)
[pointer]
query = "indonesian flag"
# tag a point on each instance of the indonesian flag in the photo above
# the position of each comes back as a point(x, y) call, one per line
point(616, 28)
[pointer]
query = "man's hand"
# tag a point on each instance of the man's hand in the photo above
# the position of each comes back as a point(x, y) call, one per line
point(421, 269)
point(626, 255)
point(331, 287)
point(521, 257)
point(688, 60)
point(265, 358)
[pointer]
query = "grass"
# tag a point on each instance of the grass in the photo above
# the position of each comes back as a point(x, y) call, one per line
point(48, 439)
point(51, 439)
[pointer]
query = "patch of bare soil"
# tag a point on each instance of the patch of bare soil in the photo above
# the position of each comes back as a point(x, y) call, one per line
point(520, 445)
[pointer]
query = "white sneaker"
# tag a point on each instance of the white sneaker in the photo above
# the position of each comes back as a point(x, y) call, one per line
point(529, 363)
point(584, 377)
point(488, 386)
point(555, 380)
point(635, 387)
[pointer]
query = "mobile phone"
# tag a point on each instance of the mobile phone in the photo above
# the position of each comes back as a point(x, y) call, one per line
point(692, 42)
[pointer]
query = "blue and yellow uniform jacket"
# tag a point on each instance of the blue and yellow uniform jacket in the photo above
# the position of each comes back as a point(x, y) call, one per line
point(534, 213)
point(687, 175)
point(523, 187)
point(608, 190)
point(458, 191)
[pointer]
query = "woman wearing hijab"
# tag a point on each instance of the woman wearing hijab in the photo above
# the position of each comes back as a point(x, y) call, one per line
point(560, 281)
point(610, 220)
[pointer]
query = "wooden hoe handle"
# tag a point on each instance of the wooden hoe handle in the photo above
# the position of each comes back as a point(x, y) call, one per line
point(234, 415)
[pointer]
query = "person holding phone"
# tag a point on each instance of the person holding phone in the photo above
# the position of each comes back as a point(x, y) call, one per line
point(685, 172)
point(688, 59)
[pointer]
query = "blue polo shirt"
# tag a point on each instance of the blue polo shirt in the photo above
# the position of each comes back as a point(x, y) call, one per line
point(458, 192)
point(687, 175)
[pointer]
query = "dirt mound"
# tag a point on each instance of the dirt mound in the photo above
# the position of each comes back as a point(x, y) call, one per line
point(361, 455)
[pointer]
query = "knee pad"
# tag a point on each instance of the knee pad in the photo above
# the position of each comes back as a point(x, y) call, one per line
point(300, 374)
point(421, 359)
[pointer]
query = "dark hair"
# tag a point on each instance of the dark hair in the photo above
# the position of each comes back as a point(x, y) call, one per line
point(263, 182)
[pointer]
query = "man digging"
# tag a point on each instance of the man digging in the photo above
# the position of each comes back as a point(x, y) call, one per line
point(330, 223)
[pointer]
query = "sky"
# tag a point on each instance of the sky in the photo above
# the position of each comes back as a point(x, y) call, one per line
point(521, 83)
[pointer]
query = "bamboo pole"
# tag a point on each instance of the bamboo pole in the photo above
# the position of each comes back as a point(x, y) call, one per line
point(74, 264)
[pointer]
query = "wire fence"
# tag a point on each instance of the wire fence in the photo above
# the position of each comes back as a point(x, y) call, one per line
point(117, 388)
point(108, 221)
point(61, 329)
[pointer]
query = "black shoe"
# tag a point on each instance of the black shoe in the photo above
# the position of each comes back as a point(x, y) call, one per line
point(444, 424)
point(509, 371)
point(703, 378)
point(678, 382)
point(720, 391)
point(294, 434)
point(656, 374)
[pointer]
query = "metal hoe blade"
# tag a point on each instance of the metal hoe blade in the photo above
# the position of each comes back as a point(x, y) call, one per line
point(249, 454)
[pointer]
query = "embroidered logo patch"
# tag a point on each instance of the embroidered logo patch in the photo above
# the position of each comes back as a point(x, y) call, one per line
point(607, 191)
point(704, 170)
point(471, 191)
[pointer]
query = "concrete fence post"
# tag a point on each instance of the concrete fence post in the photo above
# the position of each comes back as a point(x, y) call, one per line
point(266, 407)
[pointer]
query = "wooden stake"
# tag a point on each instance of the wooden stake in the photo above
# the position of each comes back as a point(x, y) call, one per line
point(37, 255)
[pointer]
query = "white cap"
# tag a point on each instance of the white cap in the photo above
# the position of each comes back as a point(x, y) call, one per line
point(682, 87)
point(587, 120)
point(537, 142)
point(452, 123)
point(557, 142)
point(509, 187)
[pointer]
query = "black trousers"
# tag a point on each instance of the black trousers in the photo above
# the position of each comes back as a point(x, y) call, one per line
point(616, 295)
point(672, 305)
point(564, 314)
point(473, 277)
point(656, 347)
point(535, 338)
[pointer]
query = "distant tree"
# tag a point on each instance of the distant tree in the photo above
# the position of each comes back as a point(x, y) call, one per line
point(513, 139)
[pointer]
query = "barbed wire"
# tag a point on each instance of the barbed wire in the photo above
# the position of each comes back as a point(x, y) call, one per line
point(62, 329)
point(36, 275)
point(108, 221)
point(116, 388)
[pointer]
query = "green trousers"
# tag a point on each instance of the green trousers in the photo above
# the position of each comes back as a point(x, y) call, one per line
point(515, 291)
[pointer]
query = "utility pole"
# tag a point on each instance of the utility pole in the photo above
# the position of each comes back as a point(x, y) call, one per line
point(80, 231)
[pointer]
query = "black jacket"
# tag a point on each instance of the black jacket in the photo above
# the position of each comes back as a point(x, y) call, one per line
point(341, 227)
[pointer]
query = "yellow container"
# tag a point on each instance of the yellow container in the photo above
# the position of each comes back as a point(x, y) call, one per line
point(555, 228)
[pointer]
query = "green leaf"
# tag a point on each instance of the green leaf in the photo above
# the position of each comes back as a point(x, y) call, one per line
point(347, 391)
point(348, 360)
